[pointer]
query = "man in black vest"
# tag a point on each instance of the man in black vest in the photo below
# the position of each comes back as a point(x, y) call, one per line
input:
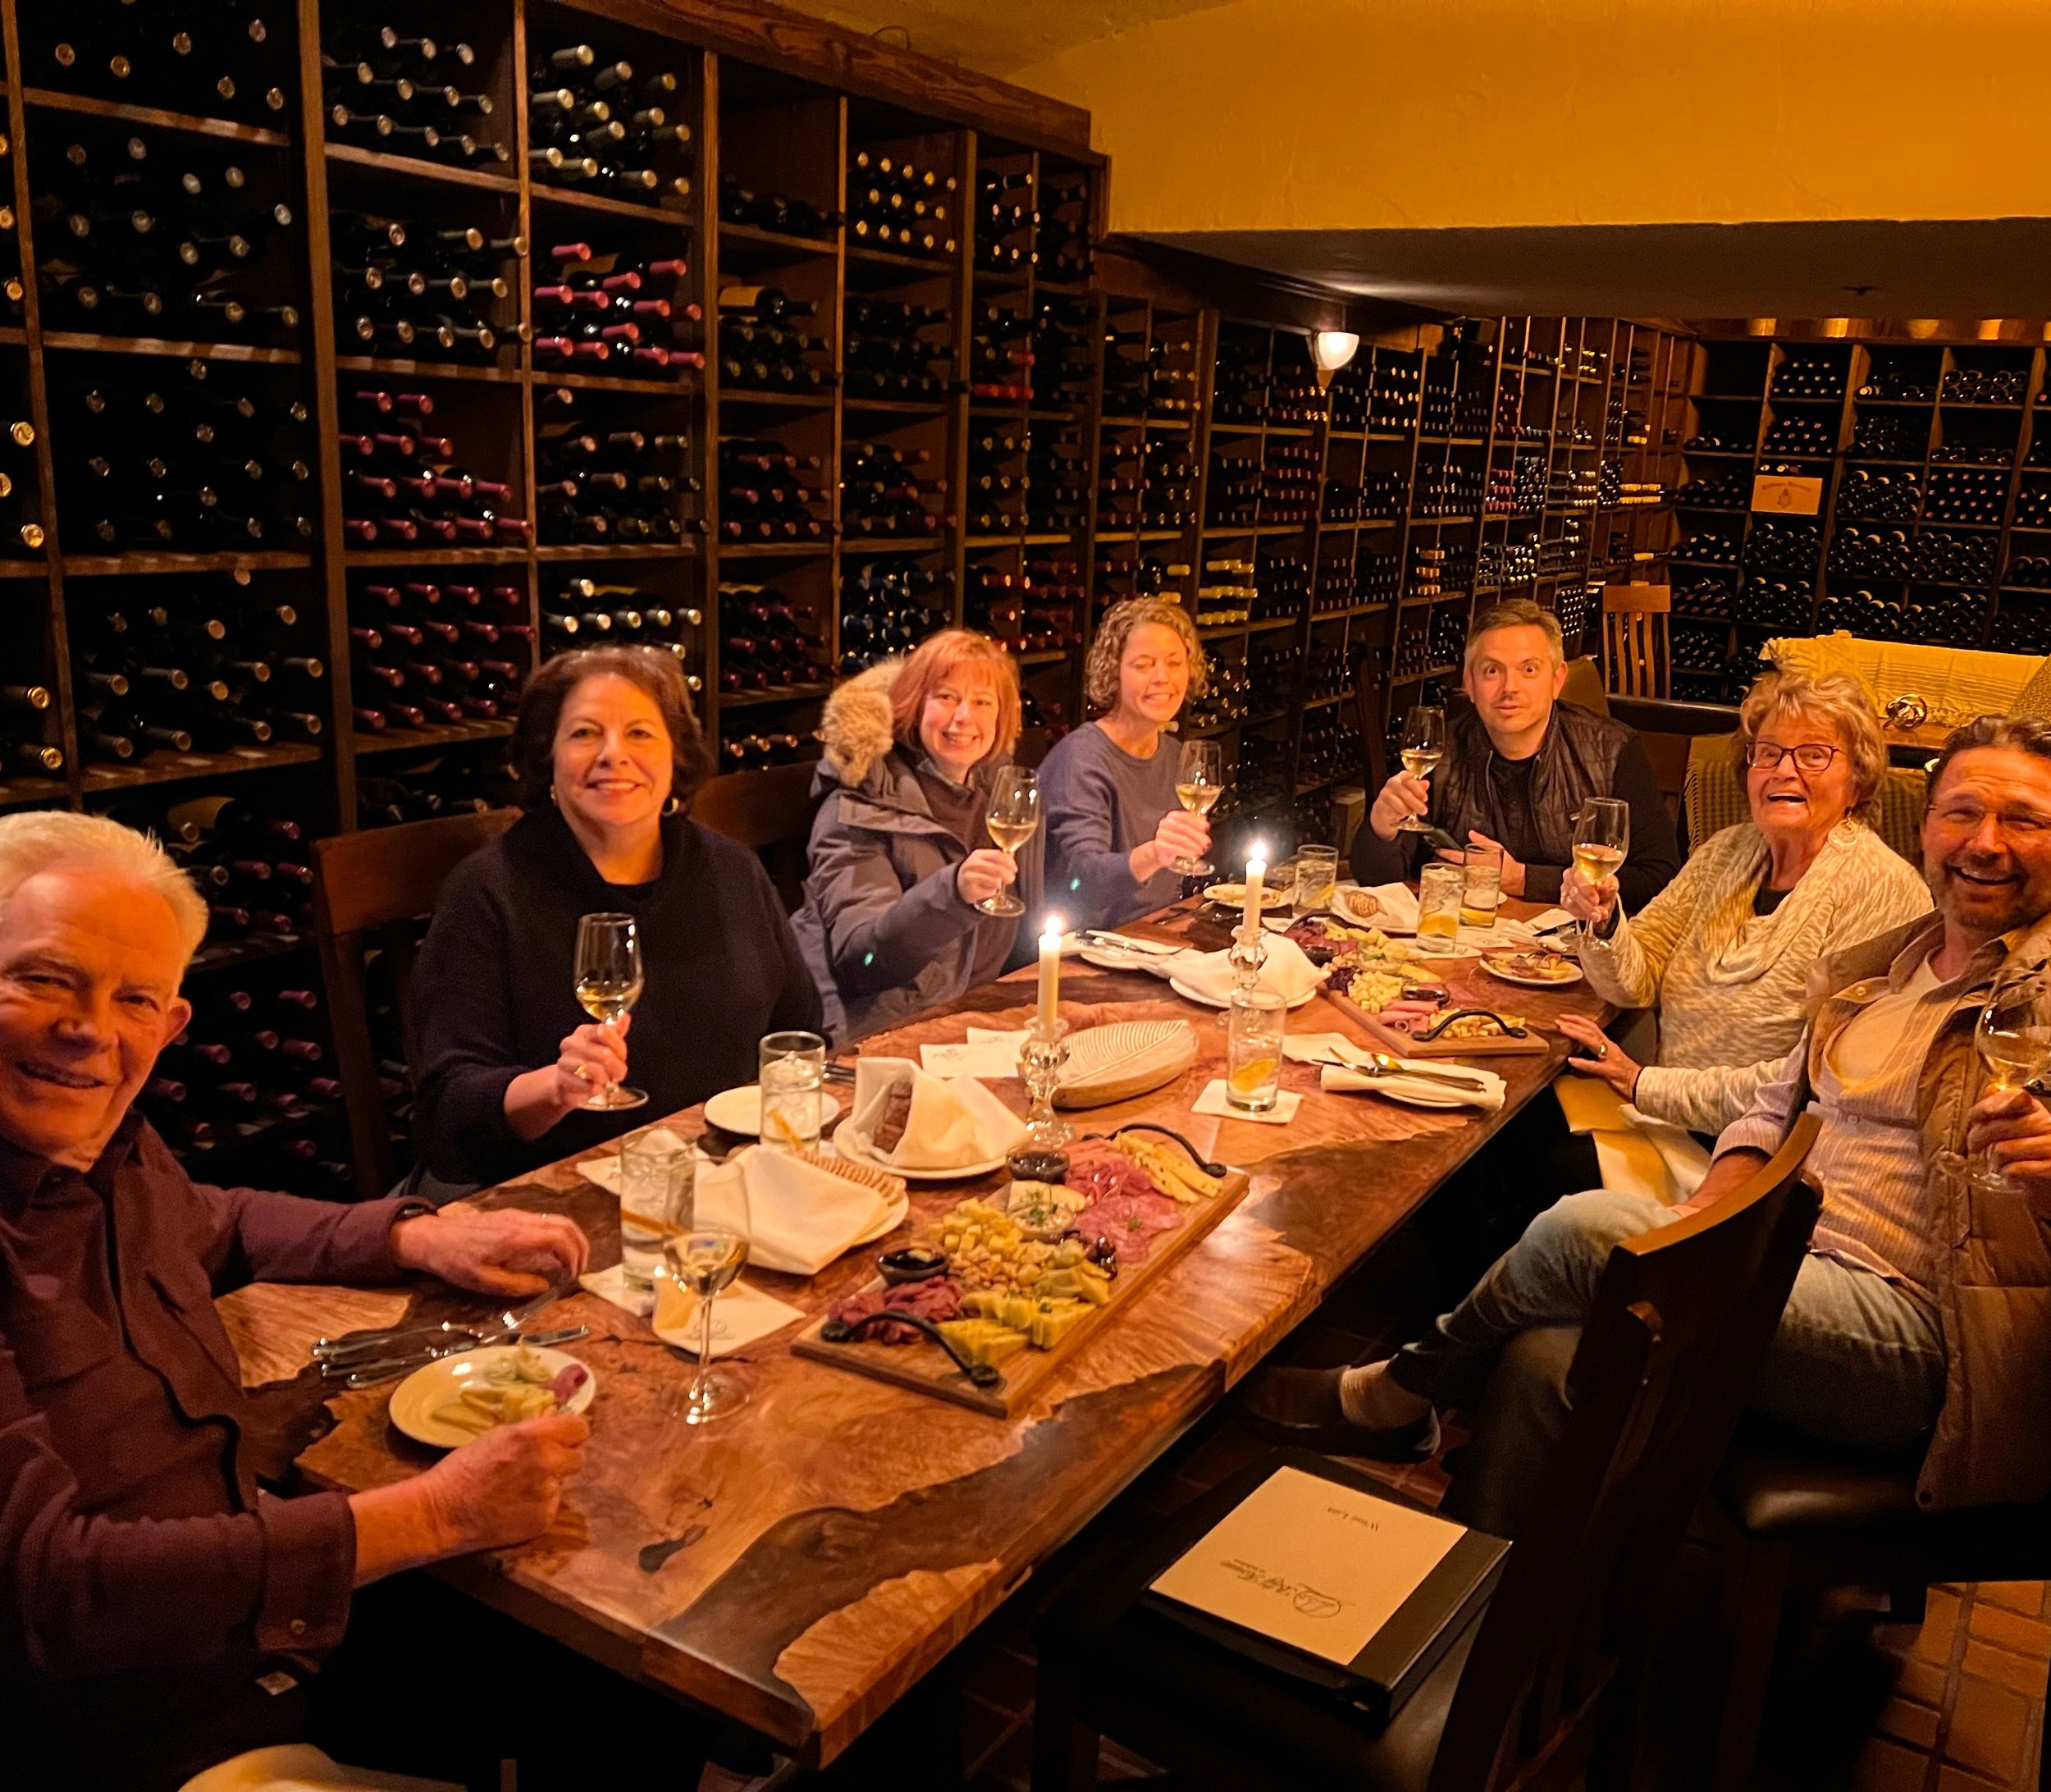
point(1518, 766)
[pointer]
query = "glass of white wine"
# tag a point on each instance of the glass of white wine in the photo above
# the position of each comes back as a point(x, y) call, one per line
point(608, 983)
point(1013, 815)
point(1423, 747)
point(2013, 1038)
point(704, 1260)
point(1601, 842)
point(1200, 781)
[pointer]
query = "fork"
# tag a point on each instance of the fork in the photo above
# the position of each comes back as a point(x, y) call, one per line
point(368, 1373)
point(370, 1344)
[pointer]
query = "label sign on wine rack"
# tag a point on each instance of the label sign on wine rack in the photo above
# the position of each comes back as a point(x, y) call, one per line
point(1787, 493)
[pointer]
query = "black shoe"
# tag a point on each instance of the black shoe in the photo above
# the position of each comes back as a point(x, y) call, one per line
point(1301, 1406)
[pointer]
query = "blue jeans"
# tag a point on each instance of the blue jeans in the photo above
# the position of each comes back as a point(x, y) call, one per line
point(1857, 1360)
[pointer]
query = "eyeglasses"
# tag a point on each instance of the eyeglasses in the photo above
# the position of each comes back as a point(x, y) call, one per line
point(1811, 756)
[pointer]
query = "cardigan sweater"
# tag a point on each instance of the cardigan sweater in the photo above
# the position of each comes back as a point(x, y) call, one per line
point(493, 988)
point(1731, 991)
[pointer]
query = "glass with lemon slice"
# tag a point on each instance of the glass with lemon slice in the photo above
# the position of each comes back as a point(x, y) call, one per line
point(1254, 1024)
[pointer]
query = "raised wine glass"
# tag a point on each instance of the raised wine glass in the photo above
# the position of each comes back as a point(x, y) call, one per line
point(2013, 1038)
point(608, 983)
point(1423, 746)
point(1200, 781)
point(704, 1260)
point(1601, 840)
point(1012, 817)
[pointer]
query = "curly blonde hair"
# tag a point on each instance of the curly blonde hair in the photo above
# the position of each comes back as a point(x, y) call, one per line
point(1107, 651)
point(1837, 701)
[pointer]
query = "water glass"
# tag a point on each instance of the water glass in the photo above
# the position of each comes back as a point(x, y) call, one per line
point(1482, 890)
point(1255, 1025)
point(792, 1073)
point(1439, 888)
point(1317, 873)
point(657, 1173)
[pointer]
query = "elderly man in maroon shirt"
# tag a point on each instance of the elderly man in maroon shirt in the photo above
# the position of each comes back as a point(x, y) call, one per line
point(145, 1584)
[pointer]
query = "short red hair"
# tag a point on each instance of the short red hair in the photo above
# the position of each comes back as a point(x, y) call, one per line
point(950, 654)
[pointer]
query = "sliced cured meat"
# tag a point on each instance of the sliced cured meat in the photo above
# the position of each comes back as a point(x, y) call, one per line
point(1130, 1222)
point(1100, 1176)
point(937, 1298)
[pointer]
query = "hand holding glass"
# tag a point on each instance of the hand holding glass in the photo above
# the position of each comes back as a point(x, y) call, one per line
point(1200, 781)
point(1423, 746)
point(1012, 817)
point(609, 980)
point(2013, 1038)
point(1601, 840)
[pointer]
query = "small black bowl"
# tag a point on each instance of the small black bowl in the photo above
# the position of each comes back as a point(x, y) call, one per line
point(912, 1263)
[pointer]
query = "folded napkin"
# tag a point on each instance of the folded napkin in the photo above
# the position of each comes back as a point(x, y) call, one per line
point(986, 1054)
point(1636, 1154)
point(605, 1171)
point(796, 1216)
point(1214, 1100)
point(612, 1285)
point(1286, 972)
point(739, 1316)
point(954, 1120)
point(1399, 904)
point(1335, 1079)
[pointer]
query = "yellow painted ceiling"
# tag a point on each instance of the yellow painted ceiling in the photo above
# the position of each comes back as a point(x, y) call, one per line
point(999, 37)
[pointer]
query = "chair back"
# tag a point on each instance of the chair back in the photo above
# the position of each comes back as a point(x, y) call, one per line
point(770, 810)
point(1584, 686)
point(1682, 1319)
point(370, 890)
point(1713, 798)
point(1636, 645)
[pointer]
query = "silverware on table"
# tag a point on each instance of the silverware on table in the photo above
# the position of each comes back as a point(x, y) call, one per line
point(472, 1332)
point(369, 1372)
point(1380, 1064)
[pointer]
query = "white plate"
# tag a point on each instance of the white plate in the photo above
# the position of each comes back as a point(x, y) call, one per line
point(416, 1400)
point(1534, 983)
point(1234, 896)
point(740, 1110)
point(1114, 958)
point(898, 1209)
point(1188, 994)
point(845, 1144)
point(1413, 1098)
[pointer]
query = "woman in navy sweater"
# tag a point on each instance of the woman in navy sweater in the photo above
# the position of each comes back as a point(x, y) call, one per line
point(609, 754)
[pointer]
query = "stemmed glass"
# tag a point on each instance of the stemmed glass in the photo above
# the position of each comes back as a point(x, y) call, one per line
point(1601, 841)
point(1423, 746)
point(608, 983)
point(705, 1259)
point(1014, 813)
point(2013, 1038)
point(1200, 781)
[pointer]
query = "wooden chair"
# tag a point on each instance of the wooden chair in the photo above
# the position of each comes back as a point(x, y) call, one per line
point(770, 810)
point(1637, 647)
point(1668, 730)
point(370, 888)
point(1543, 1686)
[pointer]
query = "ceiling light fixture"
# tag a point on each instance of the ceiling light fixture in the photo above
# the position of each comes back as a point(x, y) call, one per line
point(1330, 351)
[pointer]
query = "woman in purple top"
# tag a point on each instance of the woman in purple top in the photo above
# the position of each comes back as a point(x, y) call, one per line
point(1108, 790)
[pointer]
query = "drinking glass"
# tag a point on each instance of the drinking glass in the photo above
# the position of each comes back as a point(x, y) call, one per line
point(1316, 871)
point(1483, 892)
point(1439, 888)
point(1200, 781)
point(1254, 1023)
point(609, 982)
point(656, 1174)
point(2013, 1038)
point(1014, 813)
point(1423, 746)
point(793, 1072)
point(704, 1260)
point(1601, 840)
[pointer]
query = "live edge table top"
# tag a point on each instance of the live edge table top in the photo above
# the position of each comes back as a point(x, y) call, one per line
point(798, 1566)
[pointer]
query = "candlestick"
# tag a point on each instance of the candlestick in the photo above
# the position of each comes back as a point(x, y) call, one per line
point(1049, 971)
point(1256, 874)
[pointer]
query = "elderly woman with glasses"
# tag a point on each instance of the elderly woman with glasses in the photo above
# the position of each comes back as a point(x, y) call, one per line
point(1725, 949)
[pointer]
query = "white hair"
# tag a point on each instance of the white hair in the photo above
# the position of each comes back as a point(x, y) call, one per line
point(46, 840)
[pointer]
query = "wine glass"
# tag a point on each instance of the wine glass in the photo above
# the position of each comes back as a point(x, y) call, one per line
point(1423, 747)
point(2013, 1038)
point(1200, 781)
point(1601, 838)
point(705, 1259)
point(1013, 815)
point(609, 982)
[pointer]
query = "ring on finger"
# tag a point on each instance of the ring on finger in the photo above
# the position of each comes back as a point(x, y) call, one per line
point(1602, 1051)
point(580, 1073)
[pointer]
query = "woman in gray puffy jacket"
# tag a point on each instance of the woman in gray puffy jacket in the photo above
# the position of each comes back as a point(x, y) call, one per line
point(899, 854)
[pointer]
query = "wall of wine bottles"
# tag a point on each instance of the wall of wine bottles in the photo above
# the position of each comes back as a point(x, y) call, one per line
point(354, 361)
point(1917, 473)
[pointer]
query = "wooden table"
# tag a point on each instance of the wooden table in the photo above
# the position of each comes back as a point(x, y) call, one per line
point(799, 1566)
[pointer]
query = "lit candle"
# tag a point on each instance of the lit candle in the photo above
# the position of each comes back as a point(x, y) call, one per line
point(1049, 971)
point(1256, 871)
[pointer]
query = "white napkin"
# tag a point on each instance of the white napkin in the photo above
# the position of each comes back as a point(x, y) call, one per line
point(1399, 904)
point(795, 1217)
point(1336, 1080)
point(1213, 1101)
point(986, 1054)
point(1286, 972)
point(953, 1121)
point(612, 1285)
point(605, 1171)
point(739, 1316)
point(1637, 1154)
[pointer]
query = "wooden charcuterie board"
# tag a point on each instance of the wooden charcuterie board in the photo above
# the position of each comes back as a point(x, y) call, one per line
point(1402, 1045)
point(927, 1370)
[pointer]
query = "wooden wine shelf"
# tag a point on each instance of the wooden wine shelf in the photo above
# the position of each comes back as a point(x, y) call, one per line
point(55, 101)
point(184, 351)
point(176, 768)
point(419, 168)
point(430, 370)
point(604, 205)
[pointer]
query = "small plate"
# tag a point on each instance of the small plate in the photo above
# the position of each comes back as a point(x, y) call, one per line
point(1234, 896)
point(845, 1145)
point(416, 1400)
point(1116, 958)
point(1414, 1098)
point(740, 1110)
point(1566, 982)
point(1188, 994)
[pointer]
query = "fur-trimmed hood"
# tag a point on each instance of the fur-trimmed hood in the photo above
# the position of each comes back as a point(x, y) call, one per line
point(856, 724)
